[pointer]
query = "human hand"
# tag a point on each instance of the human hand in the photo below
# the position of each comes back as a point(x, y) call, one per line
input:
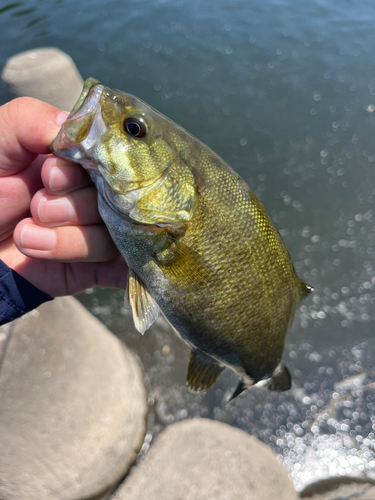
point(64, 247)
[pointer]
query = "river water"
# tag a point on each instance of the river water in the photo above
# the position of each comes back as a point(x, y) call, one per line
point(284, 91)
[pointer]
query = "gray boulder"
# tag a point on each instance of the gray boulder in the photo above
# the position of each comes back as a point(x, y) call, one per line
point(343, 488)
point(72, 406)
point(202, 459)
point(47, 74)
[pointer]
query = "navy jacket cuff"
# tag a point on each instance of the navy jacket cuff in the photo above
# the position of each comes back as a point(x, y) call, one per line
point(17, 295)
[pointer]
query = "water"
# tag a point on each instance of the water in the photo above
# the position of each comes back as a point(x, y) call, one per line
point(285, 92)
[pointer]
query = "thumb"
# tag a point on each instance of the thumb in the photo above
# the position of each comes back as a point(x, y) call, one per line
point(27, 128)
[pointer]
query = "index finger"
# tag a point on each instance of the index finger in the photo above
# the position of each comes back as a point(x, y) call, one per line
point(27, 127)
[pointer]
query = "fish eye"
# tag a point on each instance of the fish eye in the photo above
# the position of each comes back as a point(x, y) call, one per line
point(135, 127)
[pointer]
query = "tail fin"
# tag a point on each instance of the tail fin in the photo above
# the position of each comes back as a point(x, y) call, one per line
point(280, 380)
point(239, 390)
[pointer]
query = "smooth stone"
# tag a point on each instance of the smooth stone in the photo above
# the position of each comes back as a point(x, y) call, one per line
point(343, 488)
point(73, 406)
point(47, 74)
point(201, 459)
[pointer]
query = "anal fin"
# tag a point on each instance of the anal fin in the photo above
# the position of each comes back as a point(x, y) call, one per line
point(203, 372)
point(145, 309)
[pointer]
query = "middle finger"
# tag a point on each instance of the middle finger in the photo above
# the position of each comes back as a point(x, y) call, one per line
point(78, 208)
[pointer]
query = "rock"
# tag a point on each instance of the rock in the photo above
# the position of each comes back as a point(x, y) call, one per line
point(72, 406)
point(343, 488)
point(47, 74)
point(203, 459)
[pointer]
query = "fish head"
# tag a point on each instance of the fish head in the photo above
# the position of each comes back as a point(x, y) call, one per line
point(127, 147)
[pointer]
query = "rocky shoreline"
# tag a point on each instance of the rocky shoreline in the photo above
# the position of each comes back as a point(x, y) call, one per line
point(73, 405)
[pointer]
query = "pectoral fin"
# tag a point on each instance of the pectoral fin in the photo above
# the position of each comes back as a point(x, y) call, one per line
point(185, 265)
point(145, 309)
point(203, 372)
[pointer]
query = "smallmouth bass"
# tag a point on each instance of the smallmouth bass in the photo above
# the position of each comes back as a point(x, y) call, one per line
point(199, 245)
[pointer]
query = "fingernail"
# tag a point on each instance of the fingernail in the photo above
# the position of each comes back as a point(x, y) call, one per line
point(61, 118)
point(37, 238)
point(55, 210)
point(59, 179)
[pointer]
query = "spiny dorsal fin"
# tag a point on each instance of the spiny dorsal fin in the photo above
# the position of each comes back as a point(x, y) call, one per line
point(203, 372)
point(145, 309)
point(184, 264)
point(303, 289)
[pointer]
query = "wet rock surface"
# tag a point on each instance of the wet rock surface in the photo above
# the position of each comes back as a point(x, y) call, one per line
point(340, 489)
point(73, 406)
point(47, 74)
point(202, 459)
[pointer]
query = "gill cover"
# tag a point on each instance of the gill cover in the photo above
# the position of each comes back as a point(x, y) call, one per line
point(144, 175)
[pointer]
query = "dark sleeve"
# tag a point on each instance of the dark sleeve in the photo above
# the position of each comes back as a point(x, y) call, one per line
point(17, 295)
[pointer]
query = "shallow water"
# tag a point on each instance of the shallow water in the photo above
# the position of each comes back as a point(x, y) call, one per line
point(285, 92)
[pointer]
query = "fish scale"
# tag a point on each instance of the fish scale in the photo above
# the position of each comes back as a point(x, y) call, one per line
point(199, 244)
point(236, 308)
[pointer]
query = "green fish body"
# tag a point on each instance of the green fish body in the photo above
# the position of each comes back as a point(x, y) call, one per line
point(199, 245)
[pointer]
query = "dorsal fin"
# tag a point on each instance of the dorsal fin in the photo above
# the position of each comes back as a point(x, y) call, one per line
point(203, 372)
point(303, 289)
point(145, 309)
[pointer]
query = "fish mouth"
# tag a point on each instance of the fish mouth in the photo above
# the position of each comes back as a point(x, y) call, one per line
point(82, 137)
point(80, 123)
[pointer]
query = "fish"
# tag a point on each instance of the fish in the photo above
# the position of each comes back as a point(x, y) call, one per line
point(199, 245)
